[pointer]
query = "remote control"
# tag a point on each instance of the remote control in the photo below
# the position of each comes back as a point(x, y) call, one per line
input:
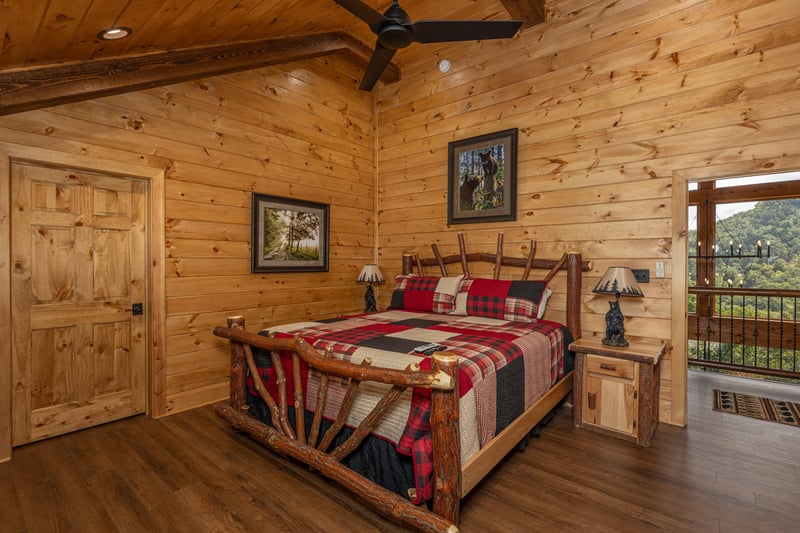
point(428, 349)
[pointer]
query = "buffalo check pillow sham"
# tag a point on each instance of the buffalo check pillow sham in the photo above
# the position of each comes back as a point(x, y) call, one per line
point(520, 301)
point(425, 293)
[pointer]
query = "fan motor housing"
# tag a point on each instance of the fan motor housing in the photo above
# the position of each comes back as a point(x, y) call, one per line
point(395, 36)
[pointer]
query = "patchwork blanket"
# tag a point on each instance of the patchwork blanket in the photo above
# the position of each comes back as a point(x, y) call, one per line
point(504, 367)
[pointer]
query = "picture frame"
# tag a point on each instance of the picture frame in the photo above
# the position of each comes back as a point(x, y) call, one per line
point(289, 235)
point(482, 178)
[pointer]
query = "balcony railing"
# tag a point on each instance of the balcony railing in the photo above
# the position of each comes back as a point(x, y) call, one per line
point(745, 330)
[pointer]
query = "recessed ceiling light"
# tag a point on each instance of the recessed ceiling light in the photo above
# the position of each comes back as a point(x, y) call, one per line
point(444, 66)
point(114, 33)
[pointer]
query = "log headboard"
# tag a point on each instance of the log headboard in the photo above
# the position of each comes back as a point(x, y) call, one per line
point(570, 261)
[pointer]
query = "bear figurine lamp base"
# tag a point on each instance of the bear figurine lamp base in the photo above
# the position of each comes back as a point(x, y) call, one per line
point(618, 281)
point(370, 274)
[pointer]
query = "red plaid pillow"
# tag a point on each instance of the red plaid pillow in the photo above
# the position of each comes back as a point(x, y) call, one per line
point(425, 293)
point(506, 300)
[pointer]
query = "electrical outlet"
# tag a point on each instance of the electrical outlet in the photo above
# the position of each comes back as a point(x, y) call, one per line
point(642, 275)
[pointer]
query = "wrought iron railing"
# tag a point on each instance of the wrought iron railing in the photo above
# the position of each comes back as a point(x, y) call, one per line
point(745, 330)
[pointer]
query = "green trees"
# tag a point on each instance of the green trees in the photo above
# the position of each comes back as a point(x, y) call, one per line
point(738, 320)
point(290, 234)
point(303, 226)
point(776, 222)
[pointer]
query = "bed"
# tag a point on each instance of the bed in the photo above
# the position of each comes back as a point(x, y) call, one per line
point(411, 407)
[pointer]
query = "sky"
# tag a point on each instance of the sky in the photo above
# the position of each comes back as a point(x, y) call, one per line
point(726, 210)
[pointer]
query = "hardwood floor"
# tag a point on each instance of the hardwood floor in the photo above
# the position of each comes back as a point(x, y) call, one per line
point(189, 472)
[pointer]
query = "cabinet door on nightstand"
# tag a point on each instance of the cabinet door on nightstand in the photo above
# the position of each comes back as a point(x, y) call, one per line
point(610, 403)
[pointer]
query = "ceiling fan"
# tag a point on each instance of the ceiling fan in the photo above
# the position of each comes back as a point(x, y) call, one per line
point(395, 31)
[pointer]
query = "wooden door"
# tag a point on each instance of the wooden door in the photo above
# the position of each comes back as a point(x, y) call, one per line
point(78, 266)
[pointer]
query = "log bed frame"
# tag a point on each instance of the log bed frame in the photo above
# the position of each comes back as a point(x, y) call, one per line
point(452, 481)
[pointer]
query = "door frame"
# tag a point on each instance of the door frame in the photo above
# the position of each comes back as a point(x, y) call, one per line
point(680, 258)
point(155, 249)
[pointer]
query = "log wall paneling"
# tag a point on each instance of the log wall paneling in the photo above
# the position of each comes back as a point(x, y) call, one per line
point(295, 131)
point(617, 104)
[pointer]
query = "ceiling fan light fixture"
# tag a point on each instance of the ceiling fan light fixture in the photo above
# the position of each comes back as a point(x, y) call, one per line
point(114, 33)
point(395, 36)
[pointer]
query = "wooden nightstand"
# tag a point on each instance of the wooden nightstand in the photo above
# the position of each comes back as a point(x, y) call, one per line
point(616, 389)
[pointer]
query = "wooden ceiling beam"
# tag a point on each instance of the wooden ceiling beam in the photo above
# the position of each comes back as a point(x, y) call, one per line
point(531, 12)
point(44, 86)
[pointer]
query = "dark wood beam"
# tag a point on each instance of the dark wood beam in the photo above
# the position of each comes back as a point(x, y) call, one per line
point(531, 12)
point(38, 87)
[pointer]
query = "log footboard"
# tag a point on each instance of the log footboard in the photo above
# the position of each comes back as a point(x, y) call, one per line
point(385, 502)
point(289, 439)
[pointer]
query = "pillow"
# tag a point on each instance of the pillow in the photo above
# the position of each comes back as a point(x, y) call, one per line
point(542, 304)
point(520, 301)
point(425, 293)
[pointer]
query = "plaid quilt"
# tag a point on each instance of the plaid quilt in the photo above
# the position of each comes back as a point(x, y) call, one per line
point(504, 367)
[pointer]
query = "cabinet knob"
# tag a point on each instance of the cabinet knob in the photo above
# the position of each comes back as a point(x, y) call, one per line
point(591, 400)
point(606, 366)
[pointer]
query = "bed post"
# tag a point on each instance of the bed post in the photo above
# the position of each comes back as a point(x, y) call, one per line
point(574, 282)
point(446, 441)
point(408, 264)
point(238, 381)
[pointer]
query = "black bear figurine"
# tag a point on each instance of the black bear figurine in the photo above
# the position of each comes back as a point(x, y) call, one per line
point(615, 328)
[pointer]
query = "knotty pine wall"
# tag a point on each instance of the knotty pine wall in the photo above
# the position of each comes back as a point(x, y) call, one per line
point(618, 104)
point(300, 131)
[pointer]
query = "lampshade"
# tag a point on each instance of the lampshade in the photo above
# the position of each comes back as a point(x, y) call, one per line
point(370, 274)
point(618, 281)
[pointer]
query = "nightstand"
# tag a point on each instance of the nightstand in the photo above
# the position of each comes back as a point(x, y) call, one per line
point(616, 389)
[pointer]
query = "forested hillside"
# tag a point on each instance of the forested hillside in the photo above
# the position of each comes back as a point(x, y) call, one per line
point(776, 222)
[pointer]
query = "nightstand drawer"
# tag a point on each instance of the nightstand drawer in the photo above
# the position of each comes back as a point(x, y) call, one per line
point(610, 366)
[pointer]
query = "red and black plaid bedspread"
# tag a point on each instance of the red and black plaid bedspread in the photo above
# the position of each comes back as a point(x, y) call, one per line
point(504, 368)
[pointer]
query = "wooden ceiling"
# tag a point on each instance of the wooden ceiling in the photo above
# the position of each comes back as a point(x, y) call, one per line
point(51, 53)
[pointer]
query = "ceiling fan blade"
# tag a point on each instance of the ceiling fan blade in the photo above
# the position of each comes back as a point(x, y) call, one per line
point(440, 31)
point(380, 59)
point(358, 8)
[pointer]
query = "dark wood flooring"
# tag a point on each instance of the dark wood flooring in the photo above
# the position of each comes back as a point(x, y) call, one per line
point(189, 472)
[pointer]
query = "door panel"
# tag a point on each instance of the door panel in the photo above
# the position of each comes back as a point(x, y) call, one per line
point(614, 405)
point(78, 249)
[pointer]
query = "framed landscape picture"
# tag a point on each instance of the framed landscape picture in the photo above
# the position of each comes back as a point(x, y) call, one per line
point(482, 178)
point(289, 235)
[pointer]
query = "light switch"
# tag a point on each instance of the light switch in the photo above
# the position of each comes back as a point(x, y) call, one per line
point(659, 269)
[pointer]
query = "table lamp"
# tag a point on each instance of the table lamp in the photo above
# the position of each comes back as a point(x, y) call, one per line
point(618, 281)
point(370, 274)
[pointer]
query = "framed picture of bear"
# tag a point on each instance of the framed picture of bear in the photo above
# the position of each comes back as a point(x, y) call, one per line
point(482, 178)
